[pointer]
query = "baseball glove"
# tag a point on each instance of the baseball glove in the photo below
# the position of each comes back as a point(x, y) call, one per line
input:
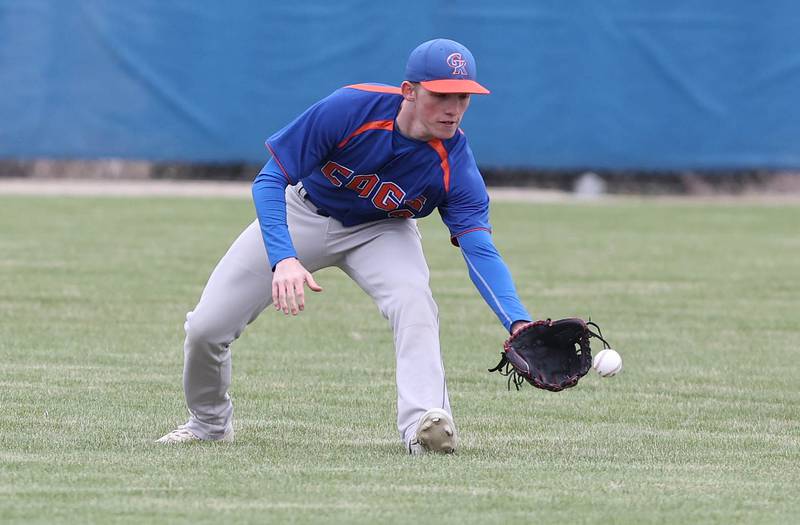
point(552, 355)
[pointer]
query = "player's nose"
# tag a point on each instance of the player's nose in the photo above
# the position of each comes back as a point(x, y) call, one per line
point(452, 109)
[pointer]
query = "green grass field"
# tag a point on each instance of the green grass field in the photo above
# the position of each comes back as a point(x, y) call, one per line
point(703, 425)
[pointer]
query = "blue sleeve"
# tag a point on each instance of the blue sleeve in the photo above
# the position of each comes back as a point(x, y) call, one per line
point(491, 277)
point(466, 206)
point(269, 197)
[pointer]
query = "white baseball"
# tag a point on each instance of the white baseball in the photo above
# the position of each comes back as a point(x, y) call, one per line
point(607, 363)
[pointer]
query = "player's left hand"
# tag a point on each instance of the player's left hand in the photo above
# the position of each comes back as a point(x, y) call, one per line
point(552, 355)
point(288, 286)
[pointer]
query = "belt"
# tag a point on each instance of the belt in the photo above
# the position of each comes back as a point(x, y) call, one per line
point(303, 193)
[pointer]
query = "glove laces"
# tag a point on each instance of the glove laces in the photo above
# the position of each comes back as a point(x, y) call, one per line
point(598, 334)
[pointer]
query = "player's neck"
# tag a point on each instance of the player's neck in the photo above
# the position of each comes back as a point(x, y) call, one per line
point(408, 126)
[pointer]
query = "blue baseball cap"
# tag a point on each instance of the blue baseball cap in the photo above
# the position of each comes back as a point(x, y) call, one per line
point(444, 66)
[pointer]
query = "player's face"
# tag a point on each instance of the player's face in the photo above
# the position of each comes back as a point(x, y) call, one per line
point(438, 115)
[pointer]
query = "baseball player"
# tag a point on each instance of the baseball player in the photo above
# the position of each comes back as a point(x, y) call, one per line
point(346, 182)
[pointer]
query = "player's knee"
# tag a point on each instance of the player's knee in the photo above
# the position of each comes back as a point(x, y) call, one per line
point(410, 299)
point(201, 330)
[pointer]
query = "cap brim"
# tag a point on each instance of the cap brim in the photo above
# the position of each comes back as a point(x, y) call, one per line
point(454, 86)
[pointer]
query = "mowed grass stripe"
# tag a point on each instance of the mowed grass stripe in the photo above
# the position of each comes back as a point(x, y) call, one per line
point(702, 425)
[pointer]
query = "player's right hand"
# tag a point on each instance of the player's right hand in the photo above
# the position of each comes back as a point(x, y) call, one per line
point(288, 290)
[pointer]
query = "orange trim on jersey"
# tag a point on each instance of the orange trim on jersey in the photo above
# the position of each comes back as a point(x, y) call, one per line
point(438, 146)
point(376, 89)
point(386, 125)
point(279, 163)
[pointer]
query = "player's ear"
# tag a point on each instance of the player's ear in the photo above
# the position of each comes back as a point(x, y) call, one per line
point(409, 90)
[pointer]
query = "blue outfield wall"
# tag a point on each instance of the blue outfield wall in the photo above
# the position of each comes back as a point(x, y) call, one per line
point(620, 84)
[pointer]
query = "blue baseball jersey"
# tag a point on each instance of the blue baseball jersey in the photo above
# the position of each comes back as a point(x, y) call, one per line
point(357, 167)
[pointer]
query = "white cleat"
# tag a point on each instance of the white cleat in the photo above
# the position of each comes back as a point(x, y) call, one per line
point(436, 432)
point(184, 435)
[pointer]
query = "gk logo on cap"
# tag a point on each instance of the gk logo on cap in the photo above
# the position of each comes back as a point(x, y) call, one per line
point(458, 64)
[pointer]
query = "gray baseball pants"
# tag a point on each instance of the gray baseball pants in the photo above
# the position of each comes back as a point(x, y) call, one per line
point(384, 258)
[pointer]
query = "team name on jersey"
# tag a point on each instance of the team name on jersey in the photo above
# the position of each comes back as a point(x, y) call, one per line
point(384, 195)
